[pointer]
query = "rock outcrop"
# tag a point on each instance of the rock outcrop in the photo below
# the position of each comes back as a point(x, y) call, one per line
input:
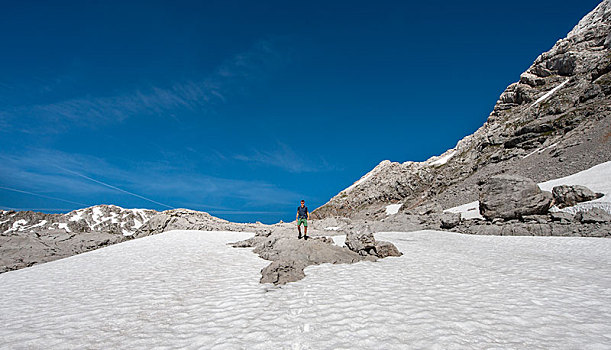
point(568, 196)
point(593, 216)
point(290, 255)
point(553, 122)
point(364, 243)
point(512, 197)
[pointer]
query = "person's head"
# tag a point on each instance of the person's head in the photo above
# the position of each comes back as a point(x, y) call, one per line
point(302, 202)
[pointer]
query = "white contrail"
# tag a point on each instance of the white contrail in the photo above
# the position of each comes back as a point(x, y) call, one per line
point(41, 195)
point(114, 187)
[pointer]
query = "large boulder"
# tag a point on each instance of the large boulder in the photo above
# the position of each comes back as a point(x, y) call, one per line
point(568, 196)
point(361, 241)
point(511, 197)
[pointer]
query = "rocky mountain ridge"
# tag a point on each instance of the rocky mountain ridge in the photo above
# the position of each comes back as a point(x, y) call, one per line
point(98, 218)
point(555, 121)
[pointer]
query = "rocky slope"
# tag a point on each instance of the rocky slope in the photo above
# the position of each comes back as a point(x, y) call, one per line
point(555, 121)
point(28, 238)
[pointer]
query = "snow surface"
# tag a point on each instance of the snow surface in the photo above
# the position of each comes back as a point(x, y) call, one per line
point(392, 209)
point(332, 228)
point(550, 93)
point(444, 159)
point(187, 289)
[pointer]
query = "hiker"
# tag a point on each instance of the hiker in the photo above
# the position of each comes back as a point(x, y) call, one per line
point(303, 215)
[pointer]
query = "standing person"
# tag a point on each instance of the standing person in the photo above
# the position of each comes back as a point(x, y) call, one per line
point(303, 215)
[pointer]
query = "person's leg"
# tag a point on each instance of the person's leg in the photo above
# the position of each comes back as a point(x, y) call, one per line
point(299, 228)
point(305, 227)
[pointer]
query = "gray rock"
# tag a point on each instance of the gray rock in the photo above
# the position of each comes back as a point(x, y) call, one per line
point(385, 249)
point(540, 219)
point(592, 216)
point(450, 220)
point(361, 241)
point(562, 217)
point(568, 196)
point(512, 197)
point(282, 272)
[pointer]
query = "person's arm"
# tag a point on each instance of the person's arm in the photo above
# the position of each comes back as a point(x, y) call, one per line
point(308, 214)
point(297, 215)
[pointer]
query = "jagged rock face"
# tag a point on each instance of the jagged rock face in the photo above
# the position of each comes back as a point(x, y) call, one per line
point(555, 121)
point(99, 218)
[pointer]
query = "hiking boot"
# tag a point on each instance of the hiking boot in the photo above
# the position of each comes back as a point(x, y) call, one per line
point(299, 237)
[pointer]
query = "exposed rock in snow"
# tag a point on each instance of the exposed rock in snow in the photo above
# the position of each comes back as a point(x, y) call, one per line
point(512, 197)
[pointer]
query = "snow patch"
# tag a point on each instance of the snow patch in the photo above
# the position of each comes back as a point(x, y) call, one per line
point(127, 232)
point(17, 225)
point(332, 228)
point(467, 211)
point(392, 209)
point(78, 215)
point(550, 93)
point(443, 159)
point(63, 225)
point(339, 240)
point(41, 223)
point(540, 150)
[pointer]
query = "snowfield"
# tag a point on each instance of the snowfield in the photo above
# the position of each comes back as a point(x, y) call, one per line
point(187, 289)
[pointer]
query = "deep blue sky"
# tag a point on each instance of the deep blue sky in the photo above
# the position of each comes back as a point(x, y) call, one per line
point(242, 108)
